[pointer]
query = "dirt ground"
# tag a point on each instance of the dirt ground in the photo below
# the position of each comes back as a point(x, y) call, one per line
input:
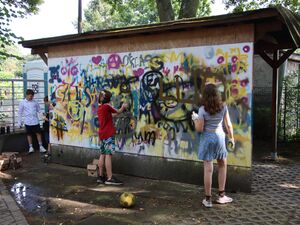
point(57, 194)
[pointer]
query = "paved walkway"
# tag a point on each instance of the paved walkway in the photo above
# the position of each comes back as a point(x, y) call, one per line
point(10, 214)
point(275, 199)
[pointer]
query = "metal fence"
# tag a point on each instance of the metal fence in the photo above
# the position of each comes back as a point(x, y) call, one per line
point(11, 93)
point(262, 96)
point(289, 114)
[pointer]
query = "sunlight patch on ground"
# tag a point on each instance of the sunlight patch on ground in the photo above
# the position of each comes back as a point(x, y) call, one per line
point(92, 208)
point(102, 188)
point(115, 189)
point(294, 186)
point(5, 176)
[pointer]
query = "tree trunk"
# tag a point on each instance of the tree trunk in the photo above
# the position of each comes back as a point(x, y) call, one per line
point(165, 10)
point(188, 8)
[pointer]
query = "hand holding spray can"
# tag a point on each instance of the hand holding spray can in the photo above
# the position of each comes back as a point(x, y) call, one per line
point(230, 145)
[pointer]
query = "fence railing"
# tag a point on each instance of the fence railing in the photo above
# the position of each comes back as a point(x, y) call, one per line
point(262, 96)
point(11, 93)
point(289, 115)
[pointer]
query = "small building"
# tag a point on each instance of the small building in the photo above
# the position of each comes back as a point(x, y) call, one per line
point(35, 75)
point(160, 70)
point(293, 63)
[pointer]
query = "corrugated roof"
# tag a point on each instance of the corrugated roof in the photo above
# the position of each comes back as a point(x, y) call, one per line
point(290, 22)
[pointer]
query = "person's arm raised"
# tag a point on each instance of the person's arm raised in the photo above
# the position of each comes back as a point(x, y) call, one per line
point(122, 109)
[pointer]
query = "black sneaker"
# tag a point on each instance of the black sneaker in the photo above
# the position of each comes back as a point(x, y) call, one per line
point(113, 181)
point(101, 180)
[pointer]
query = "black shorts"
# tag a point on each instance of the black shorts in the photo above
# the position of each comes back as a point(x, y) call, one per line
point(33, 129)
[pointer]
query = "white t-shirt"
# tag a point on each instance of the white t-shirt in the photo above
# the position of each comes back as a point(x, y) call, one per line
point(30, 110)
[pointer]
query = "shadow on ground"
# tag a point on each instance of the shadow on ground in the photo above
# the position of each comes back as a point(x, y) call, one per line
point(287, 152)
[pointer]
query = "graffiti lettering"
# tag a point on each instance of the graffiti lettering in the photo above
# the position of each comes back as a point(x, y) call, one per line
point(148, 137)
point(162, 88)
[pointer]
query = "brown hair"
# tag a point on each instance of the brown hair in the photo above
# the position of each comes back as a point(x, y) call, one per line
point(212, 99)
point(106, 96)
point(29, 92)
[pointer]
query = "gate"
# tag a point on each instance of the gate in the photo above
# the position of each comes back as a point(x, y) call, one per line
point(12, 91)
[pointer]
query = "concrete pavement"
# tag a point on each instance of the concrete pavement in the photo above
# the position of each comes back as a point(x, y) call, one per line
point(65, 195)
point(10, 214)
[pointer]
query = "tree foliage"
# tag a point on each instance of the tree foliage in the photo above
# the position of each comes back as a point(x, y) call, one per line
point(10, 9)
point(246, 5)
point(11, 67)
point(104, 14)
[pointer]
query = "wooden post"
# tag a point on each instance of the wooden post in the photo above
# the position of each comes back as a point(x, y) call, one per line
point(79, 16)
point(284, 113)
point(275, 63)
point(274, 105)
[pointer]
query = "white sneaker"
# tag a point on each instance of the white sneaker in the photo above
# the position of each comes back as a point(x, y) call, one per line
point(31, 150)
point(42, 149)
point(223, 200)
point(207, 204)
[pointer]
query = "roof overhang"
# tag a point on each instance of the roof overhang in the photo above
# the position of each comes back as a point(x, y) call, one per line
point(275, 29)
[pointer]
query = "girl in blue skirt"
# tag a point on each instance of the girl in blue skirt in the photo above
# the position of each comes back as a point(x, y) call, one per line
point(209, 121)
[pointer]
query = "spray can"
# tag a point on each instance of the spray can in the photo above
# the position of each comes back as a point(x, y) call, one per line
point(230, 145)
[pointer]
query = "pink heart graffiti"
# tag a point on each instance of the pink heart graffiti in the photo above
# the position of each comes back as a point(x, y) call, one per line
point(138, 72)
point(96, 59)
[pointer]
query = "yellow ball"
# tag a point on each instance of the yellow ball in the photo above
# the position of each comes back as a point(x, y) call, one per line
point(127, 199)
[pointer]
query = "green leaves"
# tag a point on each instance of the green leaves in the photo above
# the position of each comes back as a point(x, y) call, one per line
point(246, 5)
point(10, 62)
point(10, 9)
point(107, 14)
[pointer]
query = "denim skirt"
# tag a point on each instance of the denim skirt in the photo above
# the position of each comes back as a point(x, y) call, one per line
point(212, 146)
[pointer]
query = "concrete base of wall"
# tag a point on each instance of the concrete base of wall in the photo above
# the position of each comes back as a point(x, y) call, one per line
point(17, 142)
point(186, 171)
point(14, 142)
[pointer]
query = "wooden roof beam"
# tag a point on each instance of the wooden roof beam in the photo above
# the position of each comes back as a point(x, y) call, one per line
point(275, 63)
point(42, 53)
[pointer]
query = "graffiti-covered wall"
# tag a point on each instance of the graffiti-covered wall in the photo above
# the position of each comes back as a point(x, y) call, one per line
point(162, 88)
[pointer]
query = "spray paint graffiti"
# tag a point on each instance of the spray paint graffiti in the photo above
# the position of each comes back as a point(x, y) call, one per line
point(35, 87)
point(162, 88)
